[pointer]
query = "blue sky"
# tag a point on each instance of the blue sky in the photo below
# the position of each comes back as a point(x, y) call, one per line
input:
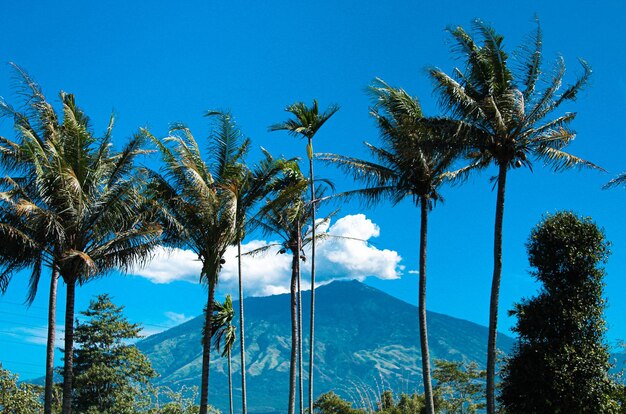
point(153, 64)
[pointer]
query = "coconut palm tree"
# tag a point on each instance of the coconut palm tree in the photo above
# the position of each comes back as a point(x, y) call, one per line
point(305, 123)
point(197, 207)
point(286, 214)
point(82, 200)
point(413, 162)
point(249, 187)
point(224, 334)
point(511, 120)
point(25, 246)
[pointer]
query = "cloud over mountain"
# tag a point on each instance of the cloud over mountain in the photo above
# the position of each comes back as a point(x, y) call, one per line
point(346, 252)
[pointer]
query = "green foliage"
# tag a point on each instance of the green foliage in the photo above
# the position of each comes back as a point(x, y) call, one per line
point(407, 404)
point(167, 401)
point(110, 375)
point(17, 399)
point(331, 403)
point(460, 387)
point(561, 362)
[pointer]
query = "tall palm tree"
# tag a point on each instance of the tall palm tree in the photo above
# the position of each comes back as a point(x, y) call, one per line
point(413, 162)
point(305, 123)
point(286, 215)
point(25, 249)
point(249, 187)
point(197, 207)
point(510, 120)
point(224, 334)
point(91, 207)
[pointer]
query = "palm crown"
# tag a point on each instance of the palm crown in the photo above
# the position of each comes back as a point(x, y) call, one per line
point(415, 157)
point(508, 118)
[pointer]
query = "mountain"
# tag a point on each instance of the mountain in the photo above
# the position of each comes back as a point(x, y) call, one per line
point(365, 340)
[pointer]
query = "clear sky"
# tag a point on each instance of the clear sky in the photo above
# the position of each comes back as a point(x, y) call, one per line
point(153, 63)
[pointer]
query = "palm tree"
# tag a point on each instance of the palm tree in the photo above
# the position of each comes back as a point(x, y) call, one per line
point(81, 200)
point(306, 122)
point(24, 248)
point(413, 162)
point(197, 207)
point(224, 332)
point(249, 186)
point(510, 120)
point(286, 215)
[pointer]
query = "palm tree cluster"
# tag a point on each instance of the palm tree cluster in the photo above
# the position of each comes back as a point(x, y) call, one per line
point(73, 205)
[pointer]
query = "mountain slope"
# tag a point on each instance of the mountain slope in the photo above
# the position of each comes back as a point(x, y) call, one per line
point(365, 339)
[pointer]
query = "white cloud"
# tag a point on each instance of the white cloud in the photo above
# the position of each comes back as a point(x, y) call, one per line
point(345, 254)
point(414, 272)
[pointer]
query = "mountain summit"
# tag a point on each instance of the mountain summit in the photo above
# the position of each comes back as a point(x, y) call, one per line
point(365, 339)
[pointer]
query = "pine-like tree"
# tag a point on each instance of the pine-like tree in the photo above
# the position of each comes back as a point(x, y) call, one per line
point(110, 375)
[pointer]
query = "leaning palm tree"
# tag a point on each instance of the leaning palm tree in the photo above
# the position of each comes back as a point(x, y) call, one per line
point(510, 120)
point(286, 214)
point(91, 207)
point(306, 122)
point(197, 207)
point(413, 163)
point(224, 335)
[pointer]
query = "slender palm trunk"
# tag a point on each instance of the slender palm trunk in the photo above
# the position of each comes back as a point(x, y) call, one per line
point(230, 383)
point(312, 328)
point(495, 293)
point(295, 269)
point(300, 379)
point(69, 348)
point(52, 320)
point(242, 333)
point(206, 351)
point(428, 387)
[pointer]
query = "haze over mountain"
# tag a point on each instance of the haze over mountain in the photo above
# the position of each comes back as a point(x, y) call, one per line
point(365, 339)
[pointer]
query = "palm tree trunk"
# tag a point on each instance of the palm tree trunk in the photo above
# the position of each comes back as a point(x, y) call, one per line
point(69, 348)
point(230, 383)
point(242, 334)
point(206, 351)
point(495, 293)
point(295, 269)
point(428, 387)
point(312, 328)
point(300, 379)
point(52, 320)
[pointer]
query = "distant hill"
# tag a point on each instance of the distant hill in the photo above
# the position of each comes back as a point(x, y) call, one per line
point(365, 339)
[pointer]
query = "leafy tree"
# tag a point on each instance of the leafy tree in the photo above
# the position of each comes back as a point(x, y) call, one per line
point(331, 403)
point(16, 398)
point(460, 387)
point(110, 375)
point(224, 336)
point(305, 123)
point(560, 363)
point(181, 401)
point(413, 163)
point(510, 120)
point(197, 207)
